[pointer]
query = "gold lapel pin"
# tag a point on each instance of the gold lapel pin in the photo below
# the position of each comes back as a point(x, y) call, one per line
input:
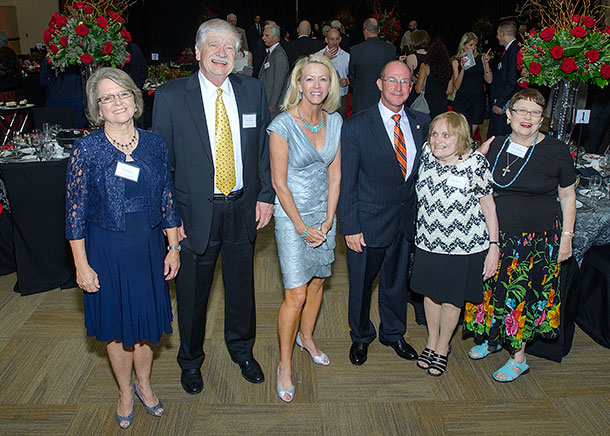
point(417, 127)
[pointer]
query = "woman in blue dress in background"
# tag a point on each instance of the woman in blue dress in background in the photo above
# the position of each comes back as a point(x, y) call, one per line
point(119, 204)
point(306, 172)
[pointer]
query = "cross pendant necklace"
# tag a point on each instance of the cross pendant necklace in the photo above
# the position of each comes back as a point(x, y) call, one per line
point(505, 170)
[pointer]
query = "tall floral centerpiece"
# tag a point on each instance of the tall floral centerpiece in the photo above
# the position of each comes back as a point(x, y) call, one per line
point(570, 51)
point(88, 34)
point(389, 24)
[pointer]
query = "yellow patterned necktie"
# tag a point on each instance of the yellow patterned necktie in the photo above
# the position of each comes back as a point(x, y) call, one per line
point(225, 160)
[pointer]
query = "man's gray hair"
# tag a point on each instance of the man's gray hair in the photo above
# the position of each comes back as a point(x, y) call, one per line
point(275, 30)
point(371, 25)
point(217, 25)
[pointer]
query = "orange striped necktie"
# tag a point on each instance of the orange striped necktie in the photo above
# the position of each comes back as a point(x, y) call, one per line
point(399, 146)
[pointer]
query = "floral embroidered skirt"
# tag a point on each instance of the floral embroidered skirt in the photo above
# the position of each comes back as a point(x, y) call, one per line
point(522, 300)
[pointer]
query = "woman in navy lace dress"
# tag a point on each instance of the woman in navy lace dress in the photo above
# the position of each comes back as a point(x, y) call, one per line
point(119, 203)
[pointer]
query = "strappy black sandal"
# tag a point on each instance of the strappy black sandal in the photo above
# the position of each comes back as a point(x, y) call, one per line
point(425, 358)
point(438, 363)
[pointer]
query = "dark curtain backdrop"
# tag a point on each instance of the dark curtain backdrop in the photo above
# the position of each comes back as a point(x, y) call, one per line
point(168, 26)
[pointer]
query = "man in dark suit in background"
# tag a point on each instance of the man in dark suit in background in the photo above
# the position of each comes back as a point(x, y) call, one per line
point(366, 60)
point(255, 32)
point(380, 152)
point(214, 125)
point(275, 69)
point(303, 45)
point(504, 84)
point(232, 18)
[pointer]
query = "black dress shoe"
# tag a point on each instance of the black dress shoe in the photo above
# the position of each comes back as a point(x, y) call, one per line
point(358, 352)
point(251, 371)
point(191, 380)
point(402, 349)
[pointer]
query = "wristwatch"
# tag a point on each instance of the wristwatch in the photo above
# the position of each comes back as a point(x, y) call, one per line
point(174, 247)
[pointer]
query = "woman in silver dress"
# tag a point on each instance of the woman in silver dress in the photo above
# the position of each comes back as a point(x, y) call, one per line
point(305, 171)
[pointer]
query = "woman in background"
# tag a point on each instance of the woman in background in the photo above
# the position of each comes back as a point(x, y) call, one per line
point(436, 74)
point(470, 98)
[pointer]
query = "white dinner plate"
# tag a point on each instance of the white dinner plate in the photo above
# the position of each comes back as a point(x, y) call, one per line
point(29, 158)
point(28, 150)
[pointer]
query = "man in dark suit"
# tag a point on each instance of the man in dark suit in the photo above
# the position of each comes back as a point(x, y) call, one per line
point(255, 31)
point(366, 60)
point(504, 84)
point(214, 125)
point(232, 18)
point(303, 45)
point(380, 153)
point(275, 69)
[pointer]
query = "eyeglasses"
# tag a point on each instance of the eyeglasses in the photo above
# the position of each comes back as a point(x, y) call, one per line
point(393, 81)
point(111, 98)
point(524, 112)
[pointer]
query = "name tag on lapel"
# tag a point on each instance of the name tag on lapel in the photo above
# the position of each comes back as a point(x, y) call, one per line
point(266, 65)
point(248, 121)
point(127, 171)
point(456, 181)
point(499, 66)
point(517, 149)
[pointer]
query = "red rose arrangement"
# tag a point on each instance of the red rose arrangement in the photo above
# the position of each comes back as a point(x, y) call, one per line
point(576, 51)
point(89, 32)
point(389, 24)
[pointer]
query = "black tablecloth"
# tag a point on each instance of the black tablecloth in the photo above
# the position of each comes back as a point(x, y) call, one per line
point(7, 252)
point(36, 192)
point(594, 311)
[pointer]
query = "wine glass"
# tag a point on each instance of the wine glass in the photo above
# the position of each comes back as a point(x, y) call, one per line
point(595, 184)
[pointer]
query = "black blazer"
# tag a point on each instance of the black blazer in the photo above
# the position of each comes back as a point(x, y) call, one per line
point(179, 117)
point(365, 63)
point(504, 84)
point(375, 199)
point(302, 47)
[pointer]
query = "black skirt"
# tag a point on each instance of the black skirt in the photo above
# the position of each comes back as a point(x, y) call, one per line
point(449, 278)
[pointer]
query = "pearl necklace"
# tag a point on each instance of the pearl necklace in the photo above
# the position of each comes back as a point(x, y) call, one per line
point(312, 129)
point(125, 148)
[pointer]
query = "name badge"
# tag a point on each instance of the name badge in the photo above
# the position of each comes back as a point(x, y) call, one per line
point(499, 65)
point(456, 181)
point(266, 65)
point(248, 121)
point(517, 149)
point(127, 171)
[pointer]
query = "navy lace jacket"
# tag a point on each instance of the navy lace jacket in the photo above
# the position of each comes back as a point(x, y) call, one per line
point(94, 195)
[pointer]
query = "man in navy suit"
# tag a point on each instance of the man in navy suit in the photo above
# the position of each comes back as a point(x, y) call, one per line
point(376, 209)
point(194, 116)
point(504, 84)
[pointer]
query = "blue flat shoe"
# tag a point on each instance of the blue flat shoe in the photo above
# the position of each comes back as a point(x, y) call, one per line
point(483, 350)
point(508, 370)
point(156, 410)
point(124, 421)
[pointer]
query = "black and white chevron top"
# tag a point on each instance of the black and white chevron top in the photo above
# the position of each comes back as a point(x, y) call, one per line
point(449, 215)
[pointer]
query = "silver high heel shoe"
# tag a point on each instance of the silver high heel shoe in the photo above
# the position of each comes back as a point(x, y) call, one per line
point(322, 359)
point(282, 392)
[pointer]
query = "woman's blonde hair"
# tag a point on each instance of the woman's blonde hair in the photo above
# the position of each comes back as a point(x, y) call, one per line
point(332, 101)
point(457, 125)
point(466, 38)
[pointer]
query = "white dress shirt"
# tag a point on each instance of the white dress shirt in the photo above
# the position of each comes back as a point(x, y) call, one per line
point(209, 95)
point(341, 64)
point(389, 123)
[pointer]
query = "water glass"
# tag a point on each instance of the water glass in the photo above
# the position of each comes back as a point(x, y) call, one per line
point(595, 184)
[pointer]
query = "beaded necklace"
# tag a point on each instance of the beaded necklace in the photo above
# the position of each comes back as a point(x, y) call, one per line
point(522, 166)
point(125, 148)
point(312, 129)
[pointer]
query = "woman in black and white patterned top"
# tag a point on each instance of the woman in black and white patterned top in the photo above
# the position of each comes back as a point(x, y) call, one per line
point(457, 232)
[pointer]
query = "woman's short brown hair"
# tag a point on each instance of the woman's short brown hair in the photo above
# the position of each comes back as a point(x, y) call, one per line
point(529, 94)
point(457, 125)
point(119, 77)
point(420, 40)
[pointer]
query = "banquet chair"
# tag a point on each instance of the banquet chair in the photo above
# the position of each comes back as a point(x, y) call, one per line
point(64, 116)
point(594, 311)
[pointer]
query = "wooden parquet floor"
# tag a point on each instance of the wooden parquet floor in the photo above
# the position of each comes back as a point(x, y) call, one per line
point(56, 381)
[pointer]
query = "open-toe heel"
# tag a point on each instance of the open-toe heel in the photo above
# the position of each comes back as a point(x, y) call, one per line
point(438, 363)
point(425, 358)
point(124, 421)
point(157, 410)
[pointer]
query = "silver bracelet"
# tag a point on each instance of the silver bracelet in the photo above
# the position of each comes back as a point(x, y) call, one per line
point(174, 247)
